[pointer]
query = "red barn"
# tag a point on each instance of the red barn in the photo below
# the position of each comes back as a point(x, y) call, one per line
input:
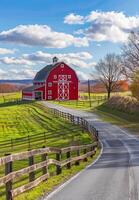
point(56, 81)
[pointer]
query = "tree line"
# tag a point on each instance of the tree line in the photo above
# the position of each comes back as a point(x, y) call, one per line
point(113, 68)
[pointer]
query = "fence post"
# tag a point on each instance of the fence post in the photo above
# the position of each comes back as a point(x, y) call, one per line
point(68, 157)
point(96, 135)
point(58, 168)
point(78, 120)
point(91, 149)
point(45, 158)
point(85, 151)
point(31, 174)
point(78, 154)
point(73, 119)
point(8, 169)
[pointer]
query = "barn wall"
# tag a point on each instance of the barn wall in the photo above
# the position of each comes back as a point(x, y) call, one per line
point(41, 89)
point(27, 95)
point(73, 82)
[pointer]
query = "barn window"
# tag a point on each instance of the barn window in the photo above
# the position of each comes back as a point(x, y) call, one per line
point(50, 84)
point(62, 65)
point(49, 97)
point(49, 91)
point(69, 76)
point(55, 76)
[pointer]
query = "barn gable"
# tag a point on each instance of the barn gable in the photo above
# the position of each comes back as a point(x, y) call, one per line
point(56, 81)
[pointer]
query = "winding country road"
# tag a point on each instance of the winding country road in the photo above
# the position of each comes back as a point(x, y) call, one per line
point(115, 175)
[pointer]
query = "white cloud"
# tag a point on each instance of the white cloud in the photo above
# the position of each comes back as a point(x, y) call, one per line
point(3, 74)
point(83, 76)
point(80, 59)
point(76, 60)
point(98, 45)
point(15, 61)
point(17, 74)
point(118, 19)
point(108, 26)
point(73, 19)
point(41, 35)
point(7, 51)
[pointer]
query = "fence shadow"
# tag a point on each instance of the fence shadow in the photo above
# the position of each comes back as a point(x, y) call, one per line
point(13, 103)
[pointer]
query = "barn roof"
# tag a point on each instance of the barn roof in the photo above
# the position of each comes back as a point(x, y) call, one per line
point(43, 73)
point(28, 89)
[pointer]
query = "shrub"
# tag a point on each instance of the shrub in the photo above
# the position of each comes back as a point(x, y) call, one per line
point(135, 86)
point(125, 104)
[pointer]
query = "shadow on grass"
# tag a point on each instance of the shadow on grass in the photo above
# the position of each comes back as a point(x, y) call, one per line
point(132, 117)
point(7, 104)
point(123, 119)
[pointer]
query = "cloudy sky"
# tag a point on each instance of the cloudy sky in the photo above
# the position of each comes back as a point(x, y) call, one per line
point(78, 32)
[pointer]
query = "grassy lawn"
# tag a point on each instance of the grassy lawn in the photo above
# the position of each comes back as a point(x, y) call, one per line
point(95, 95)
point(19, 121)
point(122, 119)
point(83, 105)
point(4, 97)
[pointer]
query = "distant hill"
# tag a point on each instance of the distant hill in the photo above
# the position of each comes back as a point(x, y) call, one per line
point(92, 82)
point(10, 87)
point(23, 82)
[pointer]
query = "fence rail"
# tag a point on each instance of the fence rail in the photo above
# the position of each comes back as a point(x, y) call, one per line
point(73, 154)
point(31, 141)
point(10, 176)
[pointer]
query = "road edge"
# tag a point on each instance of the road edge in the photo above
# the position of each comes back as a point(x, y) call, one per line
point(73, 177)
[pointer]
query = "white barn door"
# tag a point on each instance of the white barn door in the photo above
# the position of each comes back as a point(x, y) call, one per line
point(63, 87)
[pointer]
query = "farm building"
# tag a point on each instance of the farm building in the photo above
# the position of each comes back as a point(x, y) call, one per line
point(56, 81)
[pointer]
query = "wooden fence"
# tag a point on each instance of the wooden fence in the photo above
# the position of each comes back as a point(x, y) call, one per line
point(88, 151)
point(85, 102)
point(73, 155)
point(39, 139)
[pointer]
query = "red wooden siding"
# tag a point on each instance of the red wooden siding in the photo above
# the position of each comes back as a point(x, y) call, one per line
point(61, 83)
point(54, 78)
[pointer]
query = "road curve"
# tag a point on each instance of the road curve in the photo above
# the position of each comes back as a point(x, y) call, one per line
point(115, 176)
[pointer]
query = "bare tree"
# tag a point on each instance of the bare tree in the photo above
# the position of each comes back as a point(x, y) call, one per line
point(130, 55)
point(109, 72)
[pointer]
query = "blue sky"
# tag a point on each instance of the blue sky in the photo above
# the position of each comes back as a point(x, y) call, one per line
point(79, 32)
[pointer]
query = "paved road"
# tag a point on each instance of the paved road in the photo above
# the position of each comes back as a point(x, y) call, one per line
point(115, 176)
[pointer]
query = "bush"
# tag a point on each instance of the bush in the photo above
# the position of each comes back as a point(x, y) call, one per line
point(125, 104)
point(135, 86)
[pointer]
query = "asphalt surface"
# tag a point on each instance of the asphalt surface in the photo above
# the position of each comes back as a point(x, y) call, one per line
point(115, 176)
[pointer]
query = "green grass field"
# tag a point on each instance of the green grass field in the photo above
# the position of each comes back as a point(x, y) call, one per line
point(84, 103)
point(129, 121)
point(95, 95)
point(5, 97)
point(32, 118)
point(19, 121)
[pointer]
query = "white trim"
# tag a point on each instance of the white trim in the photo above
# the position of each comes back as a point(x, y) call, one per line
point(45, 88)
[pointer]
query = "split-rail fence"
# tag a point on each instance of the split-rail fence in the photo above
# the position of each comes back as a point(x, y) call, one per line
point(64, 157)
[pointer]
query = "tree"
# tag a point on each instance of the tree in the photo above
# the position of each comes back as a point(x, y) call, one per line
point(135, 85)
point(109, 72)
point(130, 55)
